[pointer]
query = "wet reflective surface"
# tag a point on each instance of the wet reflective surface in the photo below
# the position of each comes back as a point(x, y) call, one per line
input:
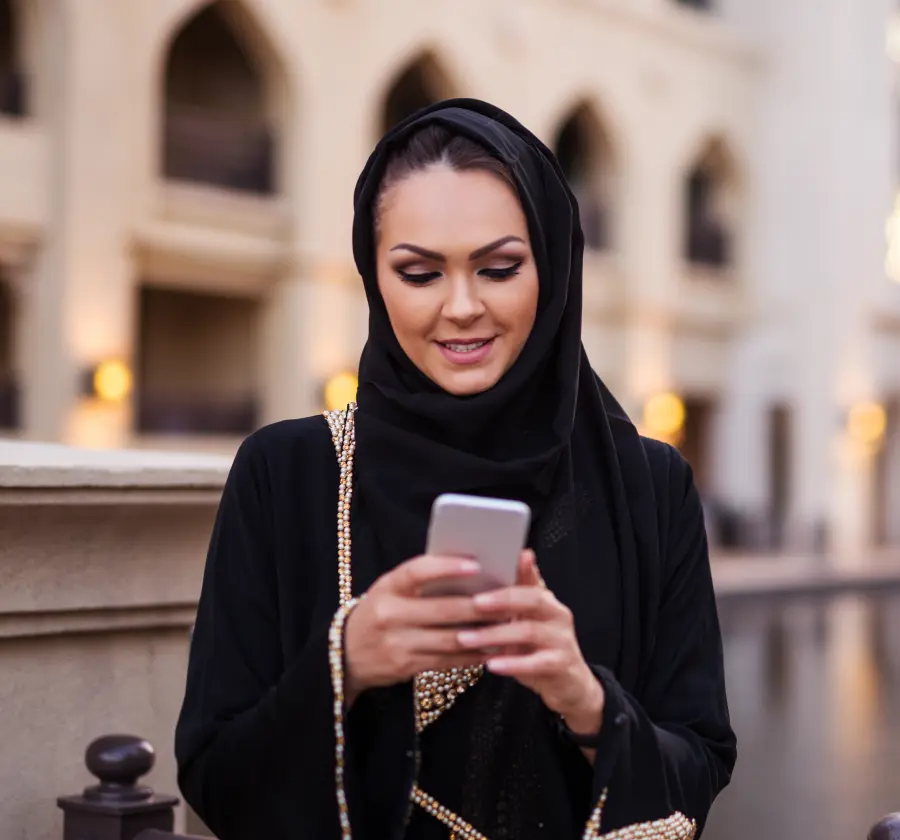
point(814, 691)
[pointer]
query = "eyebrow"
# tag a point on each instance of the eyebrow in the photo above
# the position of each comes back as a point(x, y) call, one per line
point(484, 250)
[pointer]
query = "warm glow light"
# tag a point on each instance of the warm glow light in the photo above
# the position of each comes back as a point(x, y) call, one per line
point(867, 423)
point(112, 381)
point(340, 390)
point(893, 40)
point(892, 234)
point(664, 416)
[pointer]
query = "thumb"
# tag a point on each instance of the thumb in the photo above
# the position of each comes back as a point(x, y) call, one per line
point(528, 574)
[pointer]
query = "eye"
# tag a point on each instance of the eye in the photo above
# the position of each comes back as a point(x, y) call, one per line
point(418, 278)
point(502, 273)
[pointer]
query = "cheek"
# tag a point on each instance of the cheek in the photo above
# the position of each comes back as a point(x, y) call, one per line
point(408, 309)
point(522, 309)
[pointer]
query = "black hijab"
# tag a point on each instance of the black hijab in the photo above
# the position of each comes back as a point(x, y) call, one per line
point(548, 433)
point(521, 438)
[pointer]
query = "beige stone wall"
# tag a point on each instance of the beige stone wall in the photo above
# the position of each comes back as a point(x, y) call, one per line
point(100, 568)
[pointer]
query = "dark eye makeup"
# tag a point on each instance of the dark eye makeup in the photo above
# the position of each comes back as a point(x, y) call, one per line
point(502, 273)
point(417, 278)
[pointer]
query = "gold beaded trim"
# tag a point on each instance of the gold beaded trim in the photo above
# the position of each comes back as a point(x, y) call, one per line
point(336, 664)
point(434, 691)
point(343, 435)
point(459, 828)
point(437, 691)
point(675, 827)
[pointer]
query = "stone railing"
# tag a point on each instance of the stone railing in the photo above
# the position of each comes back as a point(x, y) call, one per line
point(120, 808)
point(101, 559)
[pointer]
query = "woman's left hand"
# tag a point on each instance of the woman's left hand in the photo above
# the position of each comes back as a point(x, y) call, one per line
point(536, 644)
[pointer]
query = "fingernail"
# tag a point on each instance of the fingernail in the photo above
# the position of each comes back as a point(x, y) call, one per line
point(470, 566)
point(497, 666)
point(469, 638)
point(485, 599)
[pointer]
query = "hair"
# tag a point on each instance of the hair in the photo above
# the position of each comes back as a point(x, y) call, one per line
point(436, 145)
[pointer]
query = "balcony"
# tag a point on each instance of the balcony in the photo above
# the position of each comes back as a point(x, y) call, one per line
point(700, 5)
point(9, 405)
point(708, 244)
point(220, 151)
point(162, 415)
point(12, 93)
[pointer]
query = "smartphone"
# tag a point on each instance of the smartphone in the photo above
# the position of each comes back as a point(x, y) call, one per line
point(491, 531)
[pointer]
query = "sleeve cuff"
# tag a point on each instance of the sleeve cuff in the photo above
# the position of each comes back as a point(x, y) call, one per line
point(614, 730)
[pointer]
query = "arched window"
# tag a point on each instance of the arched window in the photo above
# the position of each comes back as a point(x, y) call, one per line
point(420, 83)
point(709, 207)
point(12, 86)
point(583, 149)
point(217, 122)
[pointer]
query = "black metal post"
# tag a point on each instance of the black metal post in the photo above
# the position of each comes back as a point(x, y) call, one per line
point(117, 808)
point(886, 829)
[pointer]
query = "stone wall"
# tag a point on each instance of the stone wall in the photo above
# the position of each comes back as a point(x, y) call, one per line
point(101, 558)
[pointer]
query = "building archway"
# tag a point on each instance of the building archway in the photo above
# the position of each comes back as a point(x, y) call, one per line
point(12, 78)
point(419, 83)
point(585, 154)
point(711, 208)
point(221, 122)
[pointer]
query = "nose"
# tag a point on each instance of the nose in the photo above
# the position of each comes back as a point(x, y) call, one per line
point(463, 304)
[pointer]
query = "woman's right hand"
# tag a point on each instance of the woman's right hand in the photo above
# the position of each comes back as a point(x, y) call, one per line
point(394, 633)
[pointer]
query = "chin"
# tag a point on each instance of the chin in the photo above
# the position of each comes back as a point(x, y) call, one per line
point(468, 384)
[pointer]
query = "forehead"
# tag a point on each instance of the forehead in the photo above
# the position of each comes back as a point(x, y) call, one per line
point(442, 208)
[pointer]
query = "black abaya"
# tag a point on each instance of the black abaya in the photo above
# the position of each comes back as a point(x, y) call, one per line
point(619, 537)
point(255, 741)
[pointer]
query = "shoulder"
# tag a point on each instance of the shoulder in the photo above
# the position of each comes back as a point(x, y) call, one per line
point(678, 505)
point(289, 436)
point(287, 447)
point(672, 474)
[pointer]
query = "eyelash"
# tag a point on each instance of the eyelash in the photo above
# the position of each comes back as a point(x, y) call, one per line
point(491, 273)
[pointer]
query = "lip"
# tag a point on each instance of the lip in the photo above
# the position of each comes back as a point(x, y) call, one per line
point(473, 357)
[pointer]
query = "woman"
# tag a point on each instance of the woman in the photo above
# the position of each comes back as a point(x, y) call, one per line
point(590, 697)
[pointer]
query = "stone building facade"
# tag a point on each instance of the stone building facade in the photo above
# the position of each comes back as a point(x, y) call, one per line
point(175, 206)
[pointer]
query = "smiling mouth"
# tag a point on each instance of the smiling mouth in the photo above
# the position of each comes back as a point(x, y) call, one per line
point(465, 346)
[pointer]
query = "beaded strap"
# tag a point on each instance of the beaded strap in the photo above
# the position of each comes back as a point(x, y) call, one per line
point(336, 664)
point(434, 691)
point(343, 435)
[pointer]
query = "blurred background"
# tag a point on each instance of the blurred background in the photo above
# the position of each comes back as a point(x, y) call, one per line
point(176, 186)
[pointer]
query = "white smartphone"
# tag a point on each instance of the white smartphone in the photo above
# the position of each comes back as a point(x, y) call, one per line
point(491, 531)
